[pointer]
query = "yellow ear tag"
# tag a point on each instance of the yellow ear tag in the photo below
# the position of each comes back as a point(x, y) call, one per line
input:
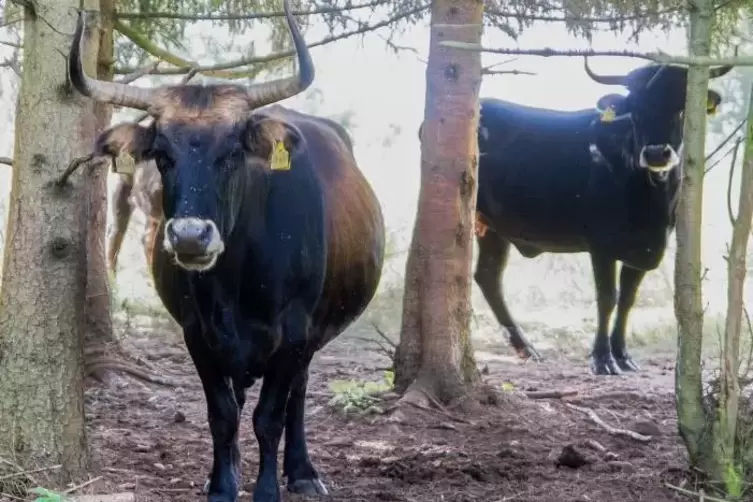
point(280, 160)
point(710, 109)
point(608, 115)
point(124, 164)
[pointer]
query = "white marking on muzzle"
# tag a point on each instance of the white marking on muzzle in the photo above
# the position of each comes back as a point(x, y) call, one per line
point(214, 248)
point(673, 161)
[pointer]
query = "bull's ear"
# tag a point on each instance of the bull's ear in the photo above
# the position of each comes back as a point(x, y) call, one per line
point(130, 139)
point(610, 106)
point(271, 139)
point(712, 102)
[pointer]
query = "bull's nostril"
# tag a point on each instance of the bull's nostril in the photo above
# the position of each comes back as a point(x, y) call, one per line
point(206, 233)
point(170, 231)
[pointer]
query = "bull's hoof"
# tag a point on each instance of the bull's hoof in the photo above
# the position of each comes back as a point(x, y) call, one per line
point(627, 364)
point(522, 346)
point(222, 498)
point(604, 365)
point(308, 487)
point(528, 352)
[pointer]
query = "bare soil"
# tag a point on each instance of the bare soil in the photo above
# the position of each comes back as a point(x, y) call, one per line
point(155, 440)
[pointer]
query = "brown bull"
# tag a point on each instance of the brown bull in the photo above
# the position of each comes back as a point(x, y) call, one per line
point(141, 190)
point(271, 245)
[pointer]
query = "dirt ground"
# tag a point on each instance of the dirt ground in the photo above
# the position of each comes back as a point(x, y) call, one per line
point(155, 440)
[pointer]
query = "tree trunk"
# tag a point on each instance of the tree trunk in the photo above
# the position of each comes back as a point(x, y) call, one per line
point(100, 337)
point(44, 282)
point(435, 347)
point(691, 413)
point(725, 426)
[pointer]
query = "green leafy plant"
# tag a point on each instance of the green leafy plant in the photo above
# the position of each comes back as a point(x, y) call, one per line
point(48, 495)
point(359, 396)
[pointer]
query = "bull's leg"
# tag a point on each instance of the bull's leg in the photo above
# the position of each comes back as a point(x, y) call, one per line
point(121, 214)
point(224, 407)
point(604, 269)
point(150, 234)
point(630, 280)
point(492, 259)
point(297, 466)
point(269, 416)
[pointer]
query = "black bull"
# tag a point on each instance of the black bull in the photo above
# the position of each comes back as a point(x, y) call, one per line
point(603, 181)
point(142, 190)
point(271, 244)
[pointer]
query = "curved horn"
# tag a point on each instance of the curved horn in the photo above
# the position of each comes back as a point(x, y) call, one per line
point(98, 90)
point(720, 71)
point(277, 90)
point(603, 79)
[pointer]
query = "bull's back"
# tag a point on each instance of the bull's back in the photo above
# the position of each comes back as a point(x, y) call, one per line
point(534, 175)
point(354, 226)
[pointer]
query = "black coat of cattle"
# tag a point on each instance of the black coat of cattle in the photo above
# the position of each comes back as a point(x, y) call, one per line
point(272, 243)
point(567, 182)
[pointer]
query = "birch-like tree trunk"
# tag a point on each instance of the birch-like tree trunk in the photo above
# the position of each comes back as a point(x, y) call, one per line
point(726, 424)
point(435, 355)
point(44, 274)
point(709, 432)
point(688, 266)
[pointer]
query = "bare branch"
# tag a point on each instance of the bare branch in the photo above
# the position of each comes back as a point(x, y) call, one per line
point(730, 211)
point(7, 161)
point(141, 72)
point(724, 142)
point(506, 72)
point(220, 67)
point(238, 17)
point(11, 44)
point(572, 18)
point(657, 57)
point(10, 21)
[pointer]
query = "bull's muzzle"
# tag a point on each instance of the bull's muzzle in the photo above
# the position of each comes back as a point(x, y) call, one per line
point(195, 244)
point(659, 158)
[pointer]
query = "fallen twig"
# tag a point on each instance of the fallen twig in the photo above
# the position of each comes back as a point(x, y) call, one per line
point(82, 485)
point(612, 430)
point(592, 443)
point(32, 471)
point(18, 468)
point(551, 394)
point(113, 497)
point(698, 495)
point(11, 497)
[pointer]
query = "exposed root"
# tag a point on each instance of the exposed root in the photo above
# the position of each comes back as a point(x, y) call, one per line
point(696, 495)
point(100, 365)
point(421, 399)
point(612, 430)
point(103, 360)
point(551, 394)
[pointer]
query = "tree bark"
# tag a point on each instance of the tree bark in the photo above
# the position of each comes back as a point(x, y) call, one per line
point(691, 415)
point(100, 337)
point(44, 281)
point(725, 426)
point(437, 305)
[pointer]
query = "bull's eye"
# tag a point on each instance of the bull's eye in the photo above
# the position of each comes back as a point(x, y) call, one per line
point(163, 162)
